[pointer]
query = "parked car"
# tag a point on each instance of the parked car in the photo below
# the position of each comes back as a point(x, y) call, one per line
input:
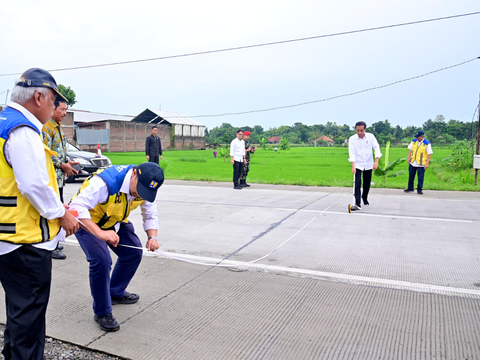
point(90, 162)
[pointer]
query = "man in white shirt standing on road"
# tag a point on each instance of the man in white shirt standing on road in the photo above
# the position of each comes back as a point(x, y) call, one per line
point(360, 148)
point(31, 214)
point(237, 154)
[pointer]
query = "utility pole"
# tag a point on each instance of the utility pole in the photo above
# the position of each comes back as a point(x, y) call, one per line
point(6, 97)
point(478, 139)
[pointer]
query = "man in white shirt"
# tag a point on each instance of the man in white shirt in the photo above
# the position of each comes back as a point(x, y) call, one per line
point(237, 154)
point(104, 203)
point(31, 214)
point(360, 148)
point(419, 160)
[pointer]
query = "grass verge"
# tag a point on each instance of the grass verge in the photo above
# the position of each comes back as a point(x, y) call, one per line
point(308, 166)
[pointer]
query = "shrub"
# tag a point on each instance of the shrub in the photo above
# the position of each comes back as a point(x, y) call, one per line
point(461, 157)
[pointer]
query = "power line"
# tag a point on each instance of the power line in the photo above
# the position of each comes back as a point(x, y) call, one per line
point(327, 99)
point(256, 45)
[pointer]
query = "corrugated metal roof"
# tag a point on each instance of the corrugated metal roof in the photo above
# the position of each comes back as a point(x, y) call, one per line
point(158, 117)
point(84, 116)
point(176, 118)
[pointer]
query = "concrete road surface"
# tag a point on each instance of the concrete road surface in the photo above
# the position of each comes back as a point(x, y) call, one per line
point(285, 272)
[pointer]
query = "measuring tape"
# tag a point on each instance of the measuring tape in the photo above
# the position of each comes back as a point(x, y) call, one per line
point(75, 213)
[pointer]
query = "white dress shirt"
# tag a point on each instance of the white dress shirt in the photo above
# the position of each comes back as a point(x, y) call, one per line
point(360, 151)
point(237, 149)
point(25, 152)
point(429, 152)
point(97, 192)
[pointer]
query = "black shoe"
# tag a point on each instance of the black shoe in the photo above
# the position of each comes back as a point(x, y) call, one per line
point(126, 299)
point(246, 185)
point(408, 190)
point(57, 254)
point(419, 192)
point(238, 187)
point(358, 207)
point(107, 322)
point(366, 203)
point(59, 247)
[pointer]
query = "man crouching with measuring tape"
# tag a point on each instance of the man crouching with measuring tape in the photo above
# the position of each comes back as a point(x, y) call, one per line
point(103, 204)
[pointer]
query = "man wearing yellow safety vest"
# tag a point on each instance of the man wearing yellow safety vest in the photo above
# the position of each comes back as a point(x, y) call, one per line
point(104, 203)
point(419, 160)
point(31, 214)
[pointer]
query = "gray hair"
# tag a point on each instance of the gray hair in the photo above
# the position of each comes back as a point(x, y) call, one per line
point(22, 94)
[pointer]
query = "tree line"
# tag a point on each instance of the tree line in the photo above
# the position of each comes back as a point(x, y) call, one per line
point(438, 131)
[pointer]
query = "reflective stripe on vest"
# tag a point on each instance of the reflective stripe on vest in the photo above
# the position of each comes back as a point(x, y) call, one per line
point(20, 222)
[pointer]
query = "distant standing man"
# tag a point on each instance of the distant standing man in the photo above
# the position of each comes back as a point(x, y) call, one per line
point(56, 140)
point(360, 148)
point(237, 154)
point(31, 214)
point(153, 147)
point(246, 168)
point(419, 160)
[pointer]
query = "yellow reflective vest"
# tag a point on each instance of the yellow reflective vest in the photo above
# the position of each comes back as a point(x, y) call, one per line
point(419, 152)
point(20, 222)
point(116, 208)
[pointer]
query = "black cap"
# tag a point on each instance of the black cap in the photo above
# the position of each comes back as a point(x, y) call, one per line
point(150, 178)
point(419, 133)
point(36, 77)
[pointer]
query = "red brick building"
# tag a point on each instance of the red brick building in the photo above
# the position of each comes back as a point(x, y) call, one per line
point(181, 131)
point(123, 133)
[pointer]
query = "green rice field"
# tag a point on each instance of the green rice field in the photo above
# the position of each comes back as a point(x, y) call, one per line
point(321, 166)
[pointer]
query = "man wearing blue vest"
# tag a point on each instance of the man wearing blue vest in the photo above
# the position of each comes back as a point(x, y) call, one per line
point(31, 214)
point(419, 160)
point(104, 202)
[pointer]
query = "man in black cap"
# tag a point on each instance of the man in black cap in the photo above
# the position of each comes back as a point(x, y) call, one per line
point(31, 215)
point(419, 160)
point(104, 203)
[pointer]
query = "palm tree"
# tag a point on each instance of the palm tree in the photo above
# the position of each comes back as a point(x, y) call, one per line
point(224, 152)
point(385, 168)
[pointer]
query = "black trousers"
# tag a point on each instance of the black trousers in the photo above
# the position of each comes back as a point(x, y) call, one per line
point(237, 170)
point(367, 180)
point(26, 275)
point(154, 159)
point(60, 190)
point(412, 170)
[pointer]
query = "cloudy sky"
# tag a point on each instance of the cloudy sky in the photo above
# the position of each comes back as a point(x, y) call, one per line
point(53, 35)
